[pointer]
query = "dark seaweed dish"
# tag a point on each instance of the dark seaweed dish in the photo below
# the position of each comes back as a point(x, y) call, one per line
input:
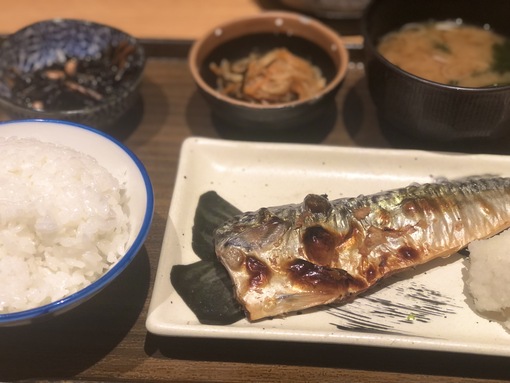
point(72, 84)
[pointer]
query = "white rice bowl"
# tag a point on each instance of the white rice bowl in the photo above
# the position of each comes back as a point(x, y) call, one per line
point(75, 208)
point(488, 277)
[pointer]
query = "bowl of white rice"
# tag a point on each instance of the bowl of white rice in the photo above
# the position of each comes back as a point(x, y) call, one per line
point(75, 208)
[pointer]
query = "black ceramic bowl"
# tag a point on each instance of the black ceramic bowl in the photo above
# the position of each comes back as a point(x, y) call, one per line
point(71, 70)
point(336, 9)
point(427, 109)
point(301, 35)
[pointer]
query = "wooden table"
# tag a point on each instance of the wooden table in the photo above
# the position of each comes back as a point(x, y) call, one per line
point(155, 19)
point(105, 339)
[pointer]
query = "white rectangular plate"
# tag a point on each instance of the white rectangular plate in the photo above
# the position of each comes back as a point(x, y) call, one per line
point(424, 309)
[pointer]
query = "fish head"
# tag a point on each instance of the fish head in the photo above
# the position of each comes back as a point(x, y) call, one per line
point(265, 253)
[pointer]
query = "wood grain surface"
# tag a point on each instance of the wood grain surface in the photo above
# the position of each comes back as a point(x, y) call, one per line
point(160, 19)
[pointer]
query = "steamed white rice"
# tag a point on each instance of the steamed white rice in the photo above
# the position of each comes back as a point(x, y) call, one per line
point(488, 277)
point(63, 222)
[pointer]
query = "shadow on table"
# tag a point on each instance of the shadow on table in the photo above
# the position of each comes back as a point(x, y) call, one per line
point(330, 356)
point(121, 129)
point(203, 122)
point(72, 342)
point(309, 133)
point(363, 126)
point(129, 122)
point(400, 140)
point(147, 114)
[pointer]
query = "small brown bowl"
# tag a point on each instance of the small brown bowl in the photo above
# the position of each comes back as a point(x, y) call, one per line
point(301, 35)
point(425, 109)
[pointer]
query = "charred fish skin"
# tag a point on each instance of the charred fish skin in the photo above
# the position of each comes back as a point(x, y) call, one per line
point(292, 257)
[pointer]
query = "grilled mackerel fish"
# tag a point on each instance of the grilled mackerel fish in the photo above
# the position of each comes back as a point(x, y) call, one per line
point(288, 258)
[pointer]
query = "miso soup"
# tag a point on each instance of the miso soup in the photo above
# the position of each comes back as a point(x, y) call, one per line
point(450, 52)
